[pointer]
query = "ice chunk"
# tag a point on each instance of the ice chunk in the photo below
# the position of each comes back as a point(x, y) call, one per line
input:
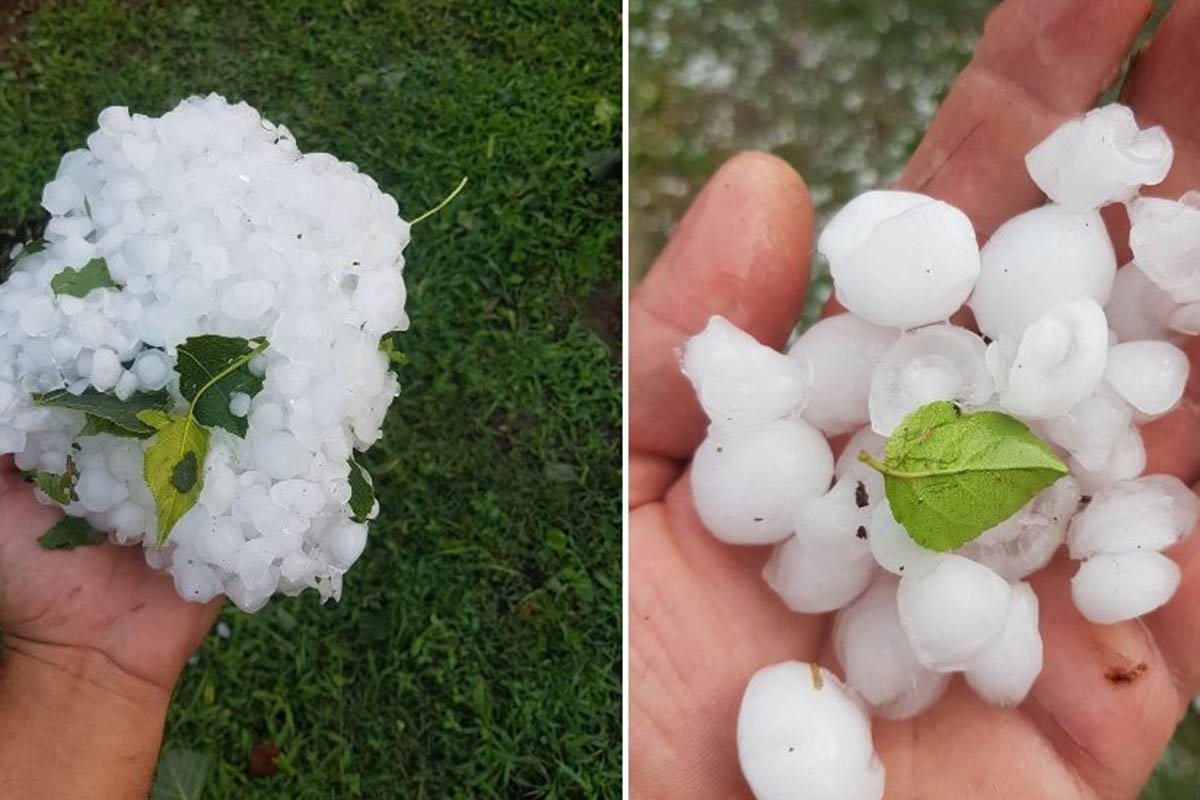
point(843, 351)
point(1128, 459)
point(1038, 260)
point(1150, 375)
point(900, 259)
point(939, 362)
point(878, 661)
point(61, 196)
point(1164, 236)
point(813, 579)
point(1113, 588)
point(894, 549)
point(1004, 672)
point(741, 383)
point(1099, 158)
point(1091, 431)
point(1059, 361)
point(948, 634)
point(1149, 513)
point(803, 735)
point(1026, 541)
point(1138, 309)
point(1184, 319)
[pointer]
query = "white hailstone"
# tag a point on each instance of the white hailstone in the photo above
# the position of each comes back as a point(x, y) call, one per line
point(1150, 375)
point(1184, 319)
point(748, 486)
point(1113, 588)
point(1148, 513)
point(803, 735)
point(1058, 362)
point(741, 383)
point(1038, 260)
point(248, 300)
point(843, 351)
point(1092, 429)
point(106, 369)
point(814, 579)
point(864, 440)
point(1164, 236)
point(1004, 672)
point(952, 611)
point(838, 518)
point(1138, 309)
point(877, 658)
point(938, 362)
point(239, 404)
point(894, 549)
point(1099, 158)
point(1026, 541)
point(61, 196)
point(1128, 459)
point(900, 259)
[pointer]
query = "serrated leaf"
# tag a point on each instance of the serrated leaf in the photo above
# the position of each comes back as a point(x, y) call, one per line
point(211, 369)
point(950, 476)
point(59, 488)
point(79, 282)
point(362, 492)
point(174, 459)
point(108, 413)
point(181, 775)
point(69, 533)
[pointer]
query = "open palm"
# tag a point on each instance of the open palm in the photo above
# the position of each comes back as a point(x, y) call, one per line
point(104, 600)
point(702, 620)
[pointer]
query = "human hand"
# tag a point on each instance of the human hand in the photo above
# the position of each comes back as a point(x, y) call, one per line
point(702, 620)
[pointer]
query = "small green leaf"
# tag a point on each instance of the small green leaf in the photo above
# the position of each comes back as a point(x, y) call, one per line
point(387, 346)
point(174, 468)
point(69, 533)
point(211, 368)
point(107, 413)
point(79, 282)
point(950, 476)
point(59, 488)
point(362, 492)
point(181, 775)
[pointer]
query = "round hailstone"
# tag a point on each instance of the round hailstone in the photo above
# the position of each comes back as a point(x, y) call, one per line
point(1149, 375)
point(1138, 309)
point(939, 362)
point(1058, 362)
point(1099, 158)
point(953, 611)
point(1164, 236)
point(1092, 430)
point(748, 486)
point(1026, 541)
point(894, 549)
point(741, 383)
point(1005, 671)
point(843, 351)
point(815, 579)
point(900, 259)
point(1038, 260)
point(1148, 513)
point(837, 519)
point(878, 661)
point(1114, 588)
point(1128, 460)
point(864, 440)
point(1185, 319)
point(802, 735)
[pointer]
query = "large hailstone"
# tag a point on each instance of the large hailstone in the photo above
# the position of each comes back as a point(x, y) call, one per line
point(741, 383)
point(1093, 429)
point(1148, 513)
point(1038, 260)
point(1003, 673)
point(748, 486)
point(1114, 588)
point(900, 259)
point(1164, 236)
point(843, 351)
point(938, 362)
point(1149, 375)
point(1099, 158)
point(892, 547)
point(1138, 309)
point(814, 579)
point(209, 220)
point(803, 735)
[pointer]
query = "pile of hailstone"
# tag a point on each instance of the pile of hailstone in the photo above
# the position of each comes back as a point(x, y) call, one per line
point(192, 355)
point(1080, 352)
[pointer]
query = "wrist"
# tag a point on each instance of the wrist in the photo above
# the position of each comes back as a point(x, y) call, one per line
point(77, 725)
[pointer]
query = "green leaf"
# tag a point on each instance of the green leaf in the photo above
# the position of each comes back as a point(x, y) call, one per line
point(362, 492)
point(950, 476)
point(79, 282)
point(211, 369)
point(387, 346)
point(69, 533)
point(59, 488)
point(107, 413)
point(174, 467)
point(181, 775)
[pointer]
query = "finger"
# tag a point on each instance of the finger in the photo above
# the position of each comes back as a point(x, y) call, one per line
point(742, 252)
point(1174, 625)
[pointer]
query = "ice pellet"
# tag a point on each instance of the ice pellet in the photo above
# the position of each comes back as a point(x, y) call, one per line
point(1114, 588)
point(1003, 673)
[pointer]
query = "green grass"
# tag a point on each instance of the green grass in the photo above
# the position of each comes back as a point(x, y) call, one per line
point(476, 652)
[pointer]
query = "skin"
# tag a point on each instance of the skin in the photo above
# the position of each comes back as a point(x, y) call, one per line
point(701, 619)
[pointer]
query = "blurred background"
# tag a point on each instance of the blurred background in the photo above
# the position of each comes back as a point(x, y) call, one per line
point(476, 651)
point(841, 89)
